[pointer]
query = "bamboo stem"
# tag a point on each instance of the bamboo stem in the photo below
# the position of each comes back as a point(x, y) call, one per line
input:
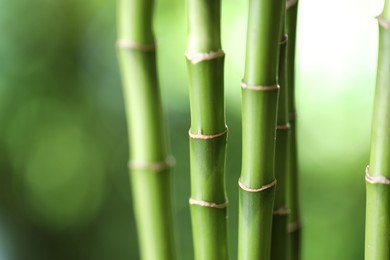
point(208, 132)
point(149, 161)
point(377, 238)
point(259, 107)
point(294, 226)
point(280, 216)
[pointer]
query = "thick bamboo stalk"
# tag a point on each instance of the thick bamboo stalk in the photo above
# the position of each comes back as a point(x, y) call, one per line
point(259, 106)
point(377, 240)
point(294, 226)
point(208, 132)
point(149, 161)
point(279, 246)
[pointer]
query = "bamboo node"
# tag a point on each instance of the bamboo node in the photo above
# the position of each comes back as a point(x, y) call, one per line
point(284, 40)
point(208, 204)
point(292, 116)
point(126, 44)
point(283, 127)
point(294, 226)
point(282, 211)
point(262, 188)
point(206, 137)
point(376, 179)
point(203, 56)
point(153, 166)
point(290, 3)
point(383, 22)
point(259, 88)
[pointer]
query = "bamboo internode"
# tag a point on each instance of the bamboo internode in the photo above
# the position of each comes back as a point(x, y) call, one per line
point(152, 166)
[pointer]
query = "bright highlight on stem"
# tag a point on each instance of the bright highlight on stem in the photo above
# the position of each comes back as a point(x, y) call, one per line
point(259, 106)
point(377, 239)
point(208, 132)
point(149, 161)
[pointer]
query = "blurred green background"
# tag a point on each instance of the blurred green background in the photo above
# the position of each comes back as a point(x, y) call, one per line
point(64, 190)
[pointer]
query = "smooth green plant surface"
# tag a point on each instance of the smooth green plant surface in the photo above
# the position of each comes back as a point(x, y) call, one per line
point(377, 238)
point(149, 163)
point(279, 244)
point(208, 132)
point(64, 190)
point(294, 239)
point(259, 106)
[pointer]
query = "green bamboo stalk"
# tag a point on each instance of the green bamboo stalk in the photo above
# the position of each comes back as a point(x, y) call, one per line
point(294, 225)
point(377, 240)
point(279, 244)
point(208, 132)
point(259, 107)
point(149, 161)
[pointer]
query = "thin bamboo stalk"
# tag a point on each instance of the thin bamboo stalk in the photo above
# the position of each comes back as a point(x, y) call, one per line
point(259, 107)
point(279, 244)
point(208, 132)
point(294, 226)
point(149, 161)
point(377, 238)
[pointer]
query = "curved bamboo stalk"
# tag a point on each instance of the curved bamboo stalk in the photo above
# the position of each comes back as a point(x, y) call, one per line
point(259, 106)
point(149, 161)
point(377, 239)
point(208, 132)
point(294, 226)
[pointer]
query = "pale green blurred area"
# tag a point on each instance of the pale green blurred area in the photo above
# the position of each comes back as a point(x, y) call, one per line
point(64, 191)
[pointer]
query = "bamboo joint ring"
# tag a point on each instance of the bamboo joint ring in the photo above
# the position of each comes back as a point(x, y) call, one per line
point(208, 204)
point(383, 22)
point(262, 188)
point(290, 3)
point(282, 211)
point(203, 56)
point(259, 88)
point(376, 179)
point(206, 137)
